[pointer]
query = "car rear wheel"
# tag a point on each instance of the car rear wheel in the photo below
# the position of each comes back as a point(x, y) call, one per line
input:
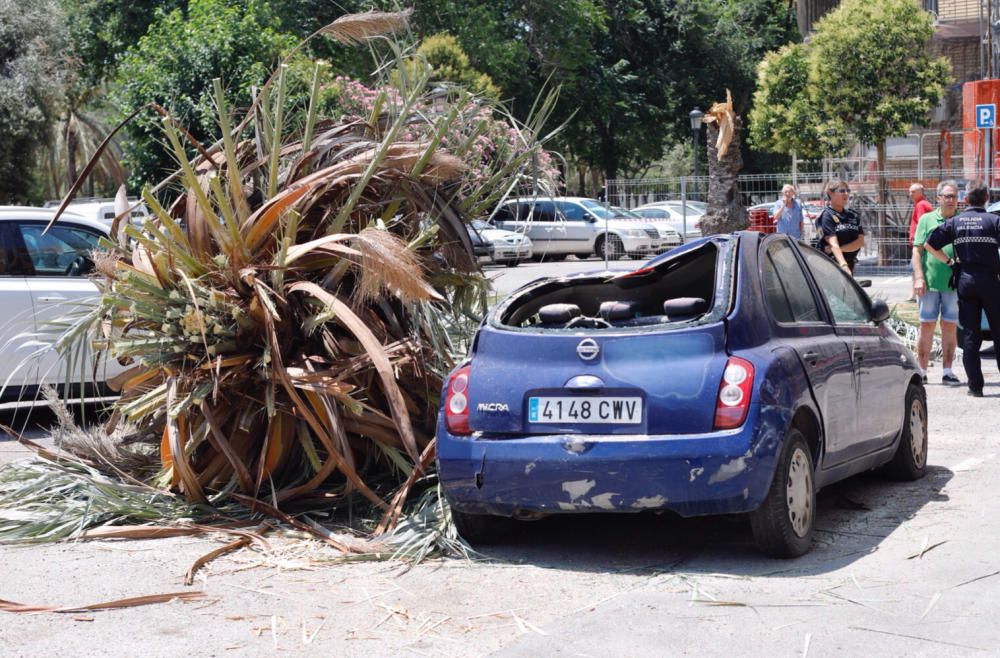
point(610, 247)
point(783, 525)
point(478, 529)
point(910, 460)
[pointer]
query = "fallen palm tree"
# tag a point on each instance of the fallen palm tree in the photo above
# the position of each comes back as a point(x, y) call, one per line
point(288, 317)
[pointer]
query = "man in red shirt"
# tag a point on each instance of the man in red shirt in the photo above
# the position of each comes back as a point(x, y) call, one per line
point(921, 206)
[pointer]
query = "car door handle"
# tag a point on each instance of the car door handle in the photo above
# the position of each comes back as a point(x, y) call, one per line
point(858, 352)
point(811, 356)
point(51, 299)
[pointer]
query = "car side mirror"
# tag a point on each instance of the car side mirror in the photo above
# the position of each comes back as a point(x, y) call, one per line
point(587, 217)
point(880, 310)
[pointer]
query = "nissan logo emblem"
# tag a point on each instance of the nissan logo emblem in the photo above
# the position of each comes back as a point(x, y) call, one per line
point(588, 349)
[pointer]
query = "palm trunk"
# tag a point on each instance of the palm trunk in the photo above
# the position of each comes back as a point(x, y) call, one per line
point(71, 142)
point(726, 212)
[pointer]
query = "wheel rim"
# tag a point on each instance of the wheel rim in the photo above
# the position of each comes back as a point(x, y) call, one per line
point(799, 495)
point(918, 433)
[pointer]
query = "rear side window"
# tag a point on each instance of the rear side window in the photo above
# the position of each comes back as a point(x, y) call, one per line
point(786, 287)
point(5, 247)
point(654, 213)
point(844, 300)
point(541, 211)
point(505, 213)
point(53, 253)
point(570, 211)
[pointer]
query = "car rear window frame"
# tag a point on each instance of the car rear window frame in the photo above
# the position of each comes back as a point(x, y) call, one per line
point(723, 287)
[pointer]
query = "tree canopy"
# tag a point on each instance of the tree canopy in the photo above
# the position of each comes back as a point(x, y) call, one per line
point(102, 30)
point(629, 70)
point(784, 118)
point(174, 64)
point(866, 73)
point(449, 63)
point(33, 44)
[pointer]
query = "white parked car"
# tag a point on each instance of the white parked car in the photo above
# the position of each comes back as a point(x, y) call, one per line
point(102, 209)
point(696, 207)
point(43, 279)
point(561, 226)
point(509, 247)
point(669, 237)
point(672, 212)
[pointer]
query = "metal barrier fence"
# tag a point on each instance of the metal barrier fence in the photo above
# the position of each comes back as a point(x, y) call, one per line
point(886, 221)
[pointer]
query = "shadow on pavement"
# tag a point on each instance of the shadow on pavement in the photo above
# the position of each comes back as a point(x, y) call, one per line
point(854, 516)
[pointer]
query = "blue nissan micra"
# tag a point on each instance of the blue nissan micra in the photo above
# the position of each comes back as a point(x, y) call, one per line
point(736, 374)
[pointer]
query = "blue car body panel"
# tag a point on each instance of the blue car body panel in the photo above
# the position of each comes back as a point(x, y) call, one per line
point(673, 459)
point(626, 363)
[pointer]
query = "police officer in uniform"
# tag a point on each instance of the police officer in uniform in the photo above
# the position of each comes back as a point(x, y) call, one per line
point(841, 236)
point(975, 235)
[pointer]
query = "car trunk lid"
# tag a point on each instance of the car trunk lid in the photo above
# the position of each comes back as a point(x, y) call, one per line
point(596, 382)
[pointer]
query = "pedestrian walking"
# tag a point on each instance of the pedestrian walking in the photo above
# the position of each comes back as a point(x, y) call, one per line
point(840, 233)
point(787, 213)
point(921, 206)
point(975, 235)
point(937, 299)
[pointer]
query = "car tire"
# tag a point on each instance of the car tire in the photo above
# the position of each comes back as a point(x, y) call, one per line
point(910, 461)
point(480, 529)
point(612, 244)
point(784, 523)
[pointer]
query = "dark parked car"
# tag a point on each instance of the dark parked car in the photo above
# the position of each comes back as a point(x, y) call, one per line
point(735, 374)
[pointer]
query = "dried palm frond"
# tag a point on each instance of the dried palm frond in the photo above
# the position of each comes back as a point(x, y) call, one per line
point(128, 458)
point(356, 28)
point(387, 265)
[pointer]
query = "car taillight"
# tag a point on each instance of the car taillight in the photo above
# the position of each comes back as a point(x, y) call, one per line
point(456, 403)
point(734, 394)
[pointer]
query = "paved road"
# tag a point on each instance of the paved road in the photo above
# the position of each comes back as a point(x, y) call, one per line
point(906, 569)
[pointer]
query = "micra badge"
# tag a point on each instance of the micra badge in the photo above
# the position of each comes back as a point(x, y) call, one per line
point(493, 408)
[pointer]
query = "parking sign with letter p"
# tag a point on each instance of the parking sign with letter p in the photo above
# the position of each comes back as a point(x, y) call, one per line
point(986, 115)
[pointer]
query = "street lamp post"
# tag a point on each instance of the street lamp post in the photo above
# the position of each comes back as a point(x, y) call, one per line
point(696, 116)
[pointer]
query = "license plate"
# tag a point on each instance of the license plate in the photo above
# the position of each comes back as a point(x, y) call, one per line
point(598, 409)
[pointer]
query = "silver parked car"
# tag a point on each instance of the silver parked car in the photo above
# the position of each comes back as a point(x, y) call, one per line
point(669, 237)
point(560, 226)
point(672, 213)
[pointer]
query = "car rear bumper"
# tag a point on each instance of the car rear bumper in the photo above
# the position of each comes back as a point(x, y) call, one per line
point(692, 475)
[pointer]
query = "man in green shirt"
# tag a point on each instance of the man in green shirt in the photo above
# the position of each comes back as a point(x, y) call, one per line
point(935, 298)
